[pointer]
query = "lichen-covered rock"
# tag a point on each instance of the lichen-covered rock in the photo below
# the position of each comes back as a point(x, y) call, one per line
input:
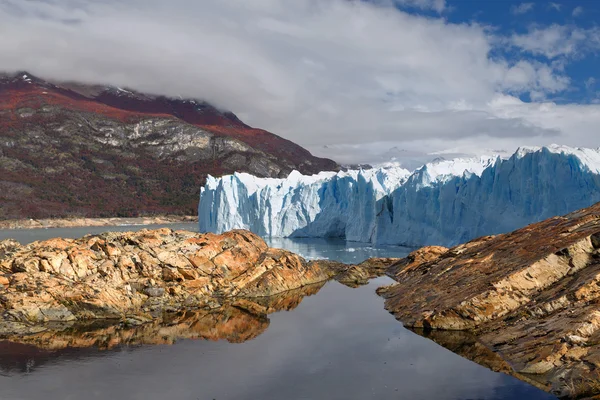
point(361, 274)
point(416, 258)
point(136, 276)
point(133, 274)
point(532, 296)
point(7, 246)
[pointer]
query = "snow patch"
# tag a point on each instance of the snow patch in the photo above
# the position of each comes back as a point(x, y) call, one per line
point(590, 158)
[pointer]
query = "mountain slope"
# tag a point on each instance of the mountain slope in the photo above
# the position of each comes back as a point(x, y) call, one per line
point(74, 149)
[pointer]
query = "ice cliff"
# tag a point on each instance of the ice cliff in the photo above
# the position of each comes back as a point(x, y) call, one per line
point(444, 202)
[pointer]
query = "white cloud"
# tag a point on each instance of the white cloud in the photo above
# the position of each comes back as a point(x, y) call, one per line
point(577, 11)
point(555, 6)
point(522, 8)
point(534, 78)
point(557, 40)
point(333, 73)
point(590, 83)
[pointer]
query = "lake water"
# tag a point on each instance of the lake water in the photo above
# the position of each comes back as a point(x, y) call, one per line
point(337, 343)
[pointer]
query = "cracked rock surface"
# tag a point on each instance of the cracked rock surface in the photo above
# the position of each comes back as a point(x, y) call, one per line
point(137, 276)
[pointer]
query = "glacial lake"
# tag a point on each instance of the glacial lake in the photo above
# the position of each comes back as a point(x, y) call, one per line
point(331, 342)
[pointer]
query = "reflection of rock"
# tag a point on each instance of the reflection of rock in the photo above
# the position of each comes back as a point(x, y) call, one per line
point(468, 346)
point(235, 321)
point(532, 296)
point(286, 301)
point(69, 340)
point(361, 274)
point(149, 287)
point(227, 323)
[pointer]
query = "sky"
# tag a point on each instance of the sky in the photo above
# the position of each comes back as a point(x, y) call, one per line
point(356, 81)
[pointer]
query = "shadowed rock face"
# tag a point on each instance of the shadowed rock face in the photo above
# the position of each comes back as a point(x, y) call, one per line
point(137, 276)
point(532, 296)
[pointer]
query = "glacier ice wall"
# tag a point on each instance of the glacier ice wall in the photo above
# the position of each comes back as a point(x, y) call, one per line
point(324, 205)
point(445, 202)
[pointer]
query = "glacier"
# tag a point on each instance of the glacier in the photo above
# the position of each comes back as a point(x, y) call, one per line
point(444, 202)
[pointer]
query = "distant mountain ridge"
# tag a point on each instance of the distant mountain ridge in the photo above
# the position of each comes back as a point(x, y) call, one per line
point(92, 150)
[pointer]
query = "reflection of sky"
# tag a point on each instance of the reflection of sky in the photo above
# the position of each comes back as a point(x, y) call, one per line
point(25, 236)
point(333, 249)
point(339, 344)
point(337, 249)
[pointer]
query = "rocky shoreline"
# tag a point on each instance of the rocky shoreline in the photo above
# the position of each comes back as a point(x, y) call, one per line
point(532, 297)
point(83, 222)
point(135, 277)
point(526, 303)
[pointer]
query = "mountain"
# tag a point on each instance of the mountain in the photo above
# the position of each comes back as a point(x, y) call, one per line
point(90, 150)
point(444, 202)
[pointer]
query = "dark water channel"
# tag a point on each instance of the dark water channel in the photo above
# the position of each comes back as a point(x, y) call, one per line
point(325, 342)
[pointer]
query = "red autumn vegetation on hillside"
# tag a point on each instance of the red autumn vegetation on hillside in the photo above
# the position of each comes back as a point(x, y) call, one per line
point(120, 153)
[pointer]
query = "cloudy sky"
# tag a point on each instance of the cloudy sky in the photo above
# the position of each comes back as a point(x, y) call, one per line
point(358, 81)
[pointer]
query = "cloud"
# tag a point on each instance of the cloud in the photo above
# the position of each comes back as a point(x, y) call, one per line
point(558, 40)
point(522, 8)
point(590, 83)
point(577, 11)
point(320, 72)
point(555, 6)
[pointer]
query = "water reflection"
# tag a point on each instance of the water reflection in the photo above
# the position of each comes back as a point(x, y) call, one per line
point(337, 249)
point(338, 344)
point(26, 236)
point(236, 322)
point(466, 345)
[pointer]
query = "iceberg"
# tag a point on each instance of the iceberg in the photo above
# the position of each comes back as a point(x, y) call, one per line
point(444, 202)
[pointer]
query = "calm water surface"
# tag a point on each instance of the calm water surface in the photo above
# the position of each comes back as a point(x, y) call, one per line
point(30, 235)
point(336, 344)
